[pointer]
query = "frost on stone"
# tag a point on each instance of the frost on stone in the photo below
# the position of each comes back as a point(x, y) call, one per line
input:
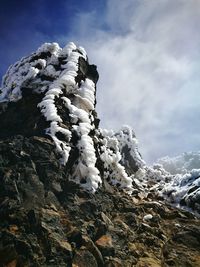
point(86, 166)
point(68, 106)
point(184, 189)
point(52, 72)
point(59, 84)
point(110, 155)
point(62, 147)
point(128, 144)
point(53, 48)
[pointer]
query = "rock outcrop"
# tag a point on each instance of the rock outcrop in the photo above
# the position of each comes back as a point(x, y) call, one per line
point(72, 194)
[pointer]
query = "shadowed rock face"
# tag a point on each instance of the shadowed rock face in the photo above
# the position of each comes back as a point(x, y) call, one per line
point(130, 163)
point(48, 218)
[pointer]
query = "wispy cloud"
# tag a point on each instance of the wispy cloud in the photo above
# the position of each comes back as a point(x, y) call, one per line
point(147, 53)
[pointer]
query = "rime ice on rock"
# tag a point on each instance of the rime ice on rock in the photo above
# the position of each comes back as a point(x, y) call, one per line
point(67, 103)
point(112, 156)
point(61, 83)
point(40, 74)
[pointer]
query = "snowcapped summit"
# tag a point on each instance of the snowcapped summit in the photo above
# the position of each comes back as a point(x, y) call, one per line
point(73, 194)
point(64, 84)
point(52, 93)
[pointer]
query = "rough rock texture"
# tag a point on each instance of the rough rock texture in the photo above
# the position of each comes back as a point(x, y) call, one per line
point(47, 218)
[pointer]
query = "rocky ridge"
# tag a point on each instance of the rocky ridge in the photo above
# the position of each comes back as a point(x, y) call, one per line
point(73, 194)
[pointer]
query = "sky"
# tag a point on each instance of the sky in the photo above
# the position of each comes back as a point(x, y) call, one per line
point(147, 53)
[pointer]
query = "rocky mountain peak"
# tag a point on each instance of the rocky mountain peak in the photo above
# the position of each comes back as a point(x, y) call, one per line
point(53, 93)
point(73, 194)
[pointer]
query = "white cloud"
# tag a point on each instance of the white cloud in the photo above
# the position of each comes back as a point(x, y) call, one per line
point(147, 55)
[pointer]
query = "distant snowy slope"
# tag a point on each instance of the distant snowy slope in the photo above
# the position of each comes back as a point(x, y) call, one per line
point(183, 184)
point(182, 163)
point(184, 190)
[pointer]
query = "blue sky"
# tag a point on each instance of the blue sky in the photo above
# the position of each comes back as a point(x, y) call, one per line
point(147, 53)
point(27, 24)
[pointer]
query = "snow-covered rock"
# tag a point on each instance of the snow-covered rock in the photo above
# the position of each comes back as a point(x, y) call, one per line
point(65, 83)
point(53, 93)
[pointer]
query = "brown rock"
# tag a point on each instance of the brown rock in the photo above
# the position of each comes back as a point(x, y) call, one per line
point(89, 244)
point(114, 262)
point(104, 243)
point(136, 249)
point(84, 258)
point(148, 262)
point(8, 255)
point(65, 246)
point(105, 218)
point(12, 264)
point(13, 229)
point(190, 238)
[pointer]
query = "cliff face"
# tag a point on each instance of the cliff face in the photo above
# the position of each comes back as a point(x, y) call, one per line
point(71, 193)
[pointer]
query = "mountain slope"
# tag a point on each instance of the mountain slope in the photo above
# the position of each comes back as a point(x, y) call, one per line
point(73, 194)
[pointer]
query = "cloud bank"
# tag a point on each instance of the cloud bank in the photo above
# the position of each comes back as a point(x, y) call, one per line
point(147, 53)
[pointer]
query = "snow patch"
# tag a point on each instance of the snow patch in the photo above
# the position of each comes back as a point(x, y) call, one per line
point(147, 217)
